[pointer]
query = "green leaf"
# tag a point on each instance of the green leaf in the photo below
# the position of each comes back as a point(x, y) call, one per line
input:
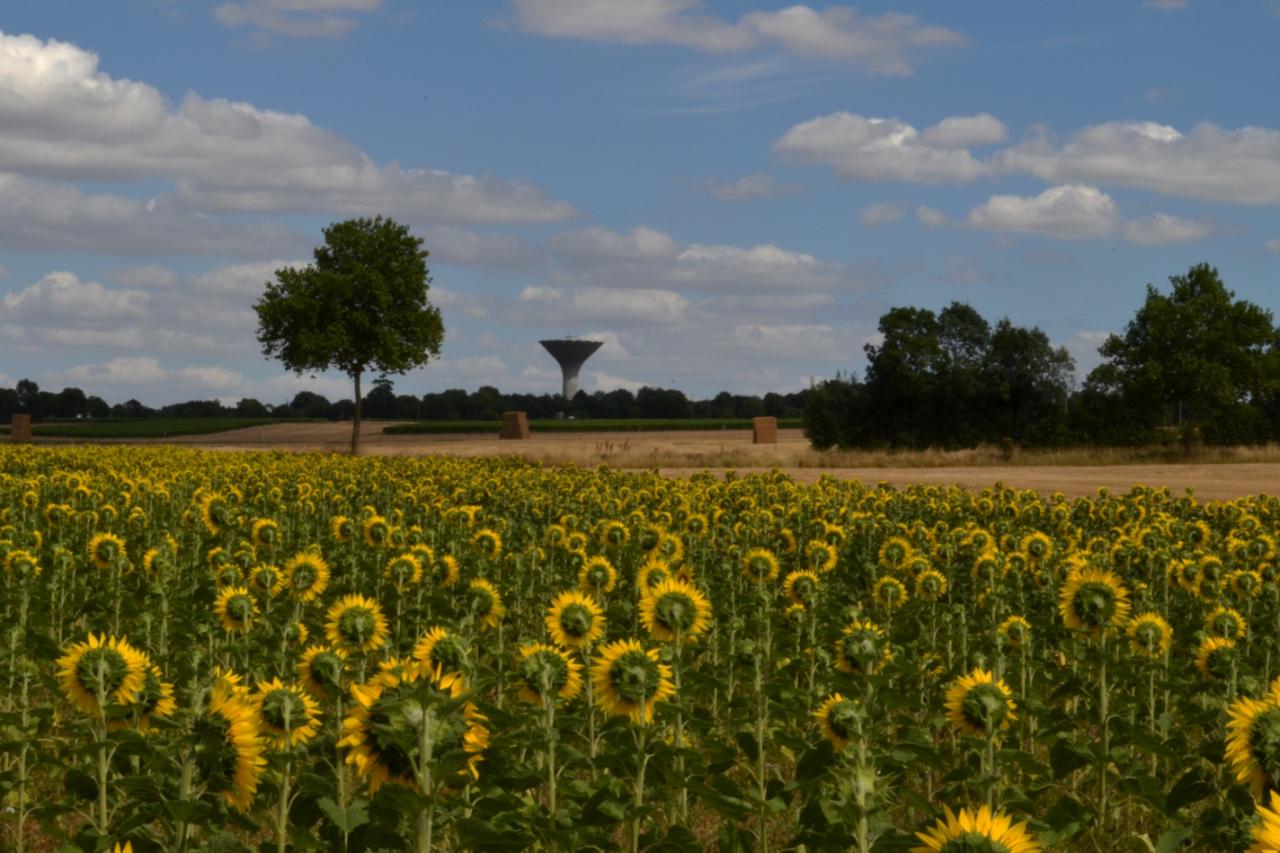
point(354, 815)
point(1190, 788)
point(1065, 757)
point(1174, 840)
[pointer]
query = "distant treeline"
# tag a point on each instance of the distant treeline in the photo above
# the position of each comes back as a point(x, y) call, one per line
point(484, 404)
point(1195, 365)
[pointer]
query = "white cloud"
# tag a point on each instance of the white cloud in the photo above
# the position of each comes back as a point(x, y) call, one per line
point(644, 257)
point(602, 381)
point(4, 272)
point(882, 214)
point(1272, 246)
point(60, 116)
point(451, 245)
point(757, 185)
point(1163, 228)
point(879, 44)
point(1208, 163)
point(884, 149)
point(1164, 5)
point(147, 277)
point(643, 305)
point(1071, 212)
point(296, 18)
point(61, 298)
point(930, 217)
point(143, 371)
point(45, 215)
point(965, 131)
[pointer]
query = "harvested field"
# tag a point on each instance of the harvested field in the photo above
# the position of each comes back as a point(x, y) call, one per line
point(680, 453)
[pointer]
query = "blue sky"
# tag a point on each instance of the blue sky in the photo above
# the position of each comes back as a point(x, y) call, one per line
point(728, 193)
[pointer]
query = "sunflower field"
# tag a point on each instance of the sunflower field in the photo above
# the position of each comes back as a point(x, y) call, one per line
point(250, 651)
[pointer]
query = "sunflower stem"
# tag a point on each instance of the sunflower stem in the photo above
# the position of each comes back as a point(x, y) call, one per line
point(642, 762)
point(1106, 739)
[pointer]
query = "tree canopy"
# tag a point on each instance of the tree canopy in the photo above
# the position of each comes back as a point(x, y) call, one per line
point(1197, 347)
point(360, 307)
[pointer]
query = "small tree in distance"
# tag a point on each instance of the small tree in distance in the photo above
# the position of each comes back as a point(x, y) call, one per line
point(361, 306)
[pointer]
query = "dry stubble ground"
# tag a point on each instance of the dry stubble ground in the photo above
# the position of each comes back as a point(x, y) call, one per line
point(681, 453)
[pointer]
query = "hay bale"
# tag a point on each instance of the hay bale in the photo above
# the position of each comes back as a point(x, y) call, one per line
point(764, 430)
point(515, 425)
point(20, 428)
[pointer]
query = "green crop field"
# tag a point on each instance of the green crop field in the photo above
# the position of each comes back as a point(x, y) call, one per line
point(593, 425)
point(143, 427)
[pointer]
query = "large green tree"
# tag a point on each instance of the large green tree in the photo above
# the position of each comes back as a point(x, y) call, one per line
point(361, 306)
point(1197, 346)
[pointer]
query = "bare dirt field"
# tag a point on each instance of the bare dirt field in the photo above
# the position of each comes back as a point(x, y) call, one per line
point(683, 453)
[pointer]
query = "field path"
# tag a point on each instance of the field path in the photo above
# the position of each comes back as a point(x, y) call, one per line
point(684, 452)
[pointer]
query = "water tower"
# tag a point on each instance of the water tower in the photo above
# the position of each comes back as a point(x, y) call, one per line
point(571, 353)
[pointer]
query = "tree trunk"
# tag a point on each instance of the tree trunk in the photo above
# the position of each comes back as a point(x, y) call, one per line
point(355, 421)
point(1189, 432)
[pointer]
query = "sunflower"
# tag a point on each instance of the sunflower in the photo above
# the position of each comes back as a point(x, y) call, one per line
point(1092, 600)
point(235, 608)
point(819, 555)
point(396, 711)
point(839, 719)
point(101, 668)
point(342, 529)
point(1266, 835)
point(984, 830)
point(264, 533)
point(629, 680)
point(267, 580)
point(862, 648)
point(1225, 622)
point(1015, 631)
point(1037, 545)
point(675, 611)
point(487, 542)
point(446, 571)
point(544, 671)
point(1245, 583)
point(404, 571)
point(895, 553)
point(1150, 635)
point(889, 592)
point(978, 704)
point(295, 634)
point(307, 574)
point(127, 847)
point(931, 585)
point(438, 648)
point(654, 571)
point(484, 603)
point(759, 565)
point(286, 712)
point(155, 561)
point(1253, 742)
point(801, 587)
point(323, 671)
point(356, 624)
point(154, 699)
point(575, 620)
point(229, 746)
point(597, 576)
point(375, 531)
point(1214, 657)
point(105, 549)
point(215, 515)
point(21, 565)
point(670, 547)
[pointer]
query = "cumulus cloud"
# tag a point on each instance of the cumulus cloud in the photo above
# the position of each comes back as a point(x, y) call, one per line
point(61, 117)
point(889, 149)
point(645, 256)
point(594, 304)
point(757, 185)
point(882, 214)
point(463, 247)
point(1208, 162)
point(1163, 228)
point(930, 217)
point(295, 18)
point(1272, 246)
point(880, 44)
point(1069, 211)
point(61, 298)
point(143, 371)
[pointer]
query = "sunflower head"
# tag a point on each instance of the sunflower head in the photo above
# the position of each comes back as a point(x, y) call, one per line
point(235, 608)
point(439, 648)
point(862, 648)
point(102, 672)
point(227, 746)
point(759, 565)
point(286, 712)
point(21, 566)
point(1150, 635)
point(675, 611)
point(895, 552)
point(1225, 622)
point(547, 674)
point(1093, 601)
point(342, 528)
point(484, 603)
point(375, 530)
point(801, 587)
point(574, 620)
point(819, 555)
point(978, 704)
point(264, 533)
point(889, 592)
point(840, 719)
point(1253, 742)
point(307, 574)
point(1215, 657)
point(323, 671)
point(983, 831)
point(629, 680)
point(1015, 631)
point(487, 543)
point(931, 585)
point(398, 711)
point(356, 625)
point(106, 550)
point(404, 571)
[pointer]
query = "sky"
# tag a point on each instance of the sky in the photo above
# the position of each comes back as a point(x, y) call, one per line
point(729, 193)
